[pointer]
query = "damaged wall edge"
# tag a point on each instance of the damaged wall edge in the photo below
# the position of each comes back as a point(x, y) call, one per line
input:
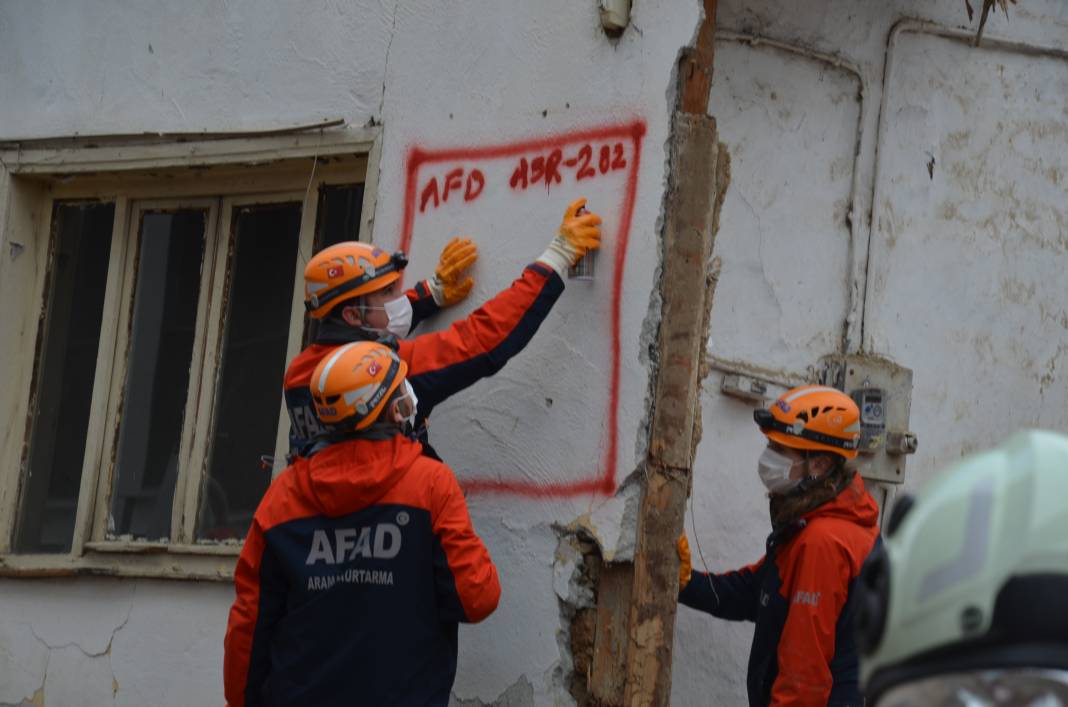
point(676, 430)
point(636, 602)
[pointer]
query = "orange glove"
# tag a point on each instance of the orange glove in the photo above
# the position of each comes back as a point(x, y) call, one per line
point(682, 545)
point(579, 233)
point(449, 285)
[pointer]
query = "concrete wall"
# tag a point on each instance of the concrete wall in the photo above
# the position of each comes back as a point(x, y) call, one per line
point(893, 191)
point(920, 216)
point(544, 442)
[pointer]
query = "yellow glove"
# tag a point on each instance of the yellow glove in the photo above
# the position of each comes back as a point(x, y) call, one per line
point(449, 285)
point(579, 233)
point(582, 231)
point(685, 566)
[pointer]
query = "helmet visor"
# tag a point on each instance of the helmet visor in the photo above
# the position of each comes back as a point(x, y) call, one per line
point(1018, 687)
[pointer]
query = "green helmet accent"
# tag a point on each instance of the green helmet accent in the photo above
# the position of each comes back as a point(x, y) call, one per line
point(974, 574)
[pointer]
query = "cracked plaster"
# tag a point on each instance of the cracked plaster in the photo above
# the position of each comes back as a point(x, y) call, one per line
point(613, 523)
point(103, 641)
point(421, 73)
point(520, 694)
point(76, 652)
point(181, 624)
point(23, 662)
point(77, 678)
point(934, 89)
point(44, 603)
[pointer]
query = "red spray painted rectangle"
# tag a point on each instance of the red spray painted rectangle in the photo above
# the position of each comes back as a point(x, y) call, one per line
point(547, 170)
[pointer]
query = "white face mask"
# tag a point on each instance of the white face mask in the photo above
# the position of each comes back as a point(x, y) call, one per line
point(399, 314)
point(774, 469)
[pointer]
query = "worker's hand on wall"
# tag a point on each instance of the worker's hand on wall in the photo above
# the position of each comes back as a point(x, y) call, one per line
point(449, 286)
point(580, 232)
point(685, 566)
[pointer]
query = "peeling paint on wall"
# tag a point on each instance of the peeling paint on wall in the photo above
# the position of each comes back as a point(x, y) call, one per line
point(967, 265)
point(958, 282)
point(62, 650)
point(991, 228)
point(575, 571)
point(536, 70)
point(520, 694)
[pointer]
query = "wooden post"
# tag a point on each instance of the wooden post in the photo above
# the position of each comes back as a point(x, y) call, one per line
point(639, 600)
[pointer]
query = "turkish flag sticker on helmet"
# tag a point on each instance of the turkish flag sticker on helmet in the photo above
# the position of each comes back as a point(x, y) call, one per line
point(335, 271)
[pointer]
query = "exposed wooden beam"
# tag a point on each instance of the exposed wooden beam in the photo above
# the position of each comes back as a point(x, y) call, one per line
point(638, 600)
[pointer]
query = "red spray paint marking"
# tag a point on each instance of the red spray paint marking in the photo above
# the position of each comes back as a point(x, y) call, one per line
point(605, 482)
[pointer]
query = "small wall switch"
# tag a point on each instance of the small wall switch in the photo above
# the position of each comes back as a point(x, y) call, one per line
point(745, 388)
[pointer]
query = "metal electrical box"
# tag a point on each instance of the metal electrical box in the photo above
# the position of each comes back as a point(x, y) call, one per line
point(883, 392)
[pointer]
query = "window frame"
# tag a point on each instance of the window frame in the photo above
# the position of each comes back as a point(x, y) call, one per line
point(116, 350)
point(221, 174)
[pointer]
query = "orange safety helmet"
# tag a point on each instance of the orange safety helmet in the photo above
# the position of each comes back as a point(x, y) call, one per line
point(346, 271)
point(813, 418)
point(352, 384)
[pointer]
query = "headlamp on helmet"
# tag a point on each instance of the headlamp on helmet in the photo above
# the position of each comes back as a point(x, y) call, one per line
point(346, 271)
point(813, 418)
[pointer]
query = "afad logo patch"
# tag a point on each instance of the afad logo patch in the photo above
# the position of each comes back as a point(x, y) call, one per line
point(782, 405)
point(381, 542)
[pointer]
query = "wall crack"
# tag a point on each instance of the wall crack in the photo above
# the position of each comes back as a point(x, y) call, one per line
point(385, 64)
point(37, 699)
point(519, 694)
point(75, 644)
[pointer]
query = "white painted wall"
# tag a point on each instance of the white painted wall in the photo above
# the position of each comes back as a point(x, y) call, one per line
point(964, 269)
point(96, 641)
point(793, 247)
point(473, 74)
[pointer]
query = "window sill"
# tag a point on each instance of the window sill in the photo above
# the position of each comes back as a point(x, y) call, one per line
point(125, 559)
point(149, 548)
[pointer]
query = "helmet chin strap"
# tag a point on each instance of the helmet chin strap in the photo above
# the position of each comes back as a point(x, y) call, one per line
point(362, 304)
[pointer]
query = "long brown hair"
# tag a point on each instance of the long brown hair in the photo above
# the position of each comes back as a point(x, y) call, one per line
point(811, 494)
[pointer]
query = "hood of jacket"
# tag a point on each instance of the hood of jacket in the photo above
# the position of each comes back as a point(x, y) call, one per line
point(350, 475)
point(853, 504)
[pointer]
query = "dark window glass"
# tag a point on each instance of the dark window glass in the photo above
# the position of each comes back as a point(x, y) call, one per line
point(248, 398)
point(337, 220)
point(64, 376)
point(170, 259)
point(338, 215)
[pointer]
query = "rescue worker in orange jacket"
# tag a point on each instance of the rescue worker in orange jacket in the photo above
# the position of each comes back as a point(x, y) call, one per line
point(801, 593)
point(353, 288)
point(360, 562)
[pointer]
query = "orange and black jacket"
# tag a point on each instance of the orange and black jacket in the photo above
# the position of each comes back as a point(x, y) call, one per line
point(801, 597)
point(359, 565)
point(440, 363)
